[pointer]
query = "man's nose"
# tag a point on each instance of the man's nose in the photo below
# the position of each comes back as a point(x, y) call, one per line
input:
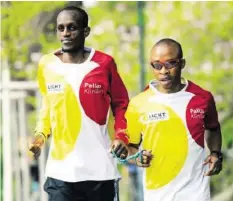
point(164, 70)
point(66, 32)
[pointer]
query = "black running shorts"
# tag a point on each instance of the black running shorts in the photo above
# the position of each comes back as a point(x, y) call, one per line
point(79, 191)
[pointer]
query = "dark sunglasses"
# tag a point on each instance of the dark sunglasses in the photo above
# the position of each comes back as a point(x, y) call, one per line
point(167, 64)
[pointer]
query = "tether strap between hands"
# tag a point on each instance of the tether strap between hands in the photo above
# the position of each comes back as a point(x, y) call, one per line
point(123, 161)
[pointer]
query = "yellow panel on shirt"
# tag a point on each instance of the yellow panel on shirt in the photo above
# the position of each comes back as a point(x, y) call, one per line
point(156, 123)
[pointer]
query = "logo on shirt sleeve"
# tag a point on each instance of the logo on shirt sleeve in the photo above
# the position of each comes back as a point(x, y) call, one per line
point(93, 88)
point(55, 88)
point(197, 113)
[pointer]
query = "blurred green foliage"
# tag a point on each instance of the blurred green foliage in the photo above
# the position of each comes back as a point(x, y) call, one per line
point(19, 30)
point(204, 29)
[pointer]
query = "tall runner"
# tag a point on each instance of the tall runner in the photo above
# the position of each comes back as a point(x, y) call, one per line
point(80, 86)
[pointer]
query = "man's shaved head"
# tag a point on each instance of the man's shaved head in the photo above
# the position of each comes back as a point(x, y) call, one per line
point(172, 43)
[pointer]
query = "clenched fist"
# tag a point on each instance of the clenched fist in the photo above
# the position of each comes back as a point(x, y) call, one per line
point(36, 145)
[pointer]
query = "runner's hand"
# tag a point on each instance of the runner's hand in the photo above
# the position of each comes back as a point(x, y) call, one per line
point(215, 165)
point(119, 148)
point(36, 145)
point(145, 159)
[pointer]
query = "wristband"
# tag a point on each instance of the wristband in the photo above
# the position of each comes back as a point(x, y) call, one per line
point(218, 153)
point(41, 134)
point(123, 137)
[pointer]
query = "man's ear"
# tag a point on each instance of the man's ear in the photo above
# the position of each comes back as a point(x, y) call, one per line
point(87, 31)
point(183, 62)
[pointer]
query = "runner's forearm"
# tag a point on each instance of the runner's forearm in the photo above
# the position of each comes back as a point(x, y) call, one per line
point(213, 139)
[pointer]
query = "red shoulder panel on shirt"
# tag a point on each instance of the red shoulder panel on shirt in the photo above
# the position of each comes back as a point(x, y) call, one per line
point(101, 58)
point(94, 89)
point(197, 112)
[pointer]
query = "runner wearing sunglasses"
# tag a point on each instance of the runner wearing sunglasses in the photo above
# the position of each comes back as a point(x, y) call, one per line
point(172, 118)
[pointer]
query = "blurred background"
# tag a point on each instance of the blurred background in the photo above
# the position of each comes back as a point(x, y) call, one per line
point(127, 31)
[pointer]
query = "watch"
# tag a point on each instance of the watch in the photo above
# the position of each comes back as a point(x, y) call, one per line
point(218, 153)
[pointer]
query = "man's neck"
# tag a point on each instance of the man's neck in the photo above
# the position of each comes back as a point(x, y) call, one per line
point(77, 57)
point(174, 89)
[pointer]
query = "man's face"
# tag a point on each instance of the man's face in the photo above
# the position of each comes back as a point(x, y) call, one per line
point(70, 31)
point(166, 65)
